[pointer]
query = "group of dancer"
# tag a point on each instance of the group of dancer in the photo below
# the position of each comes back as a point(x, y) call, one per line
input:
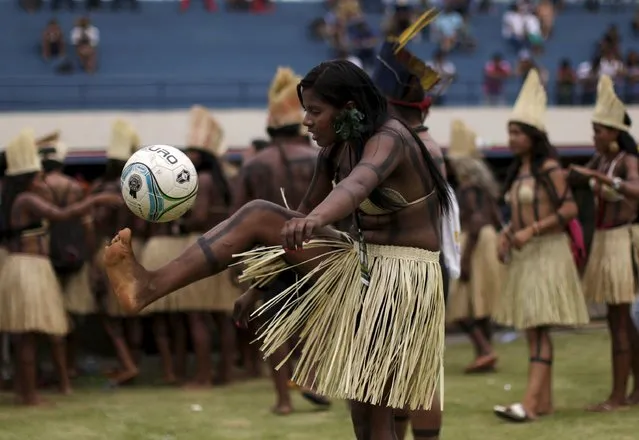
point(343, 244)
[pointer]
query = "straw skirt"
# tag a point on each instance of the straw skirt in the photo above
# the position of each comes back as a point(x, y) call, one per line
point(382, 344)
point(213, 294)
point(113, 308)
point(542, 287)
point(78, 296)
point(30, 297)
point(475, 298)
point(609, 276)
point(158, 251)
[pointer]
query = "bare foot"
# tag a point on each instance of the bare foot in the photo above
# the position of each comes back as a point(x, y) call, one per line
point(543, 411)
point(128, 278)
point(124, 376)
point(66, 390)
point(482, 364)
point(282, 409)
point(607, 406)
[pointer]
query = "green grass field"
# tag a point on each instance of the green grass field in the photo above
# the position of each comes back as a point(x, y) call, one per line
point(241, 411)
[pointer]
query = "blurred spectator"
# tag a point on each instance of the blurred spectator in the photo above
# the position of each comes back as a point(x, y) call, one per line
point(209, 5)
point(566, 82)
point(533, 32)
point(399, 19)
point(117, 4)
point(610, 64)
point(55, 4)
point(588, 75)
point(85, 37)
point(514, 27)
point(526, 62)
point(634, 25)
point(347, 13)
point(343, 54)
point(632, 78)
point(546, 14)
point(361, 41)
point(496, 72)
point(31, 5)
point(52, 41)
point(447, 28)
point(446, 70)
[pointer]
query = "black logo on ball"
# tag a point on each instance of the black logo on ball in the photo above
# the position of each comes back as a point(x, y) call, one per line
point(183, 176)
point(135, 184)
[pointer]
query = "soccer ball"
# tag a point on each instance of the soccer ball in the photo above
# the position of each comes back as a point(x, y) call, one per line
point(159, 183)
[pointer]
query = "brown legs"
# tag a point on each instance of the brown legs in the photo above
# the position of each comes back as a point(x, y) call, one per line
point(115, 329)
point(163, 343)
point(372, 422)
point(283, 405)
point(425, 425)
point(59, 355)
point(257, 222)
point(633, 398)
point(538, 397)
point(619, 327)
point(202, 348)
point(480, 334)
point(26, 370)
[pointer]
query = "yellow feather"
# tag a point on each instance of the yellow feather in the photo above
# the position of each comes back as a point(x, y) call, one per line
point(424, 20)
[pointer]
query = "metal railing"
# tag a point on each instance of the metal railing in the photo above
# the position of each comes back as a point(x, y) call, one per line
point(65, 93)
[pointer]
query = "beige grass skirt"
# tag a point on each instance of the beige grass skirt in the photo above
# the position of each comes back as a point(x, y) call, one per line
point(542, 286)
point(4, 253)
point(609, 276)
point(214, 294)
point(77, 293)
point(381, 345)
point(160, 250)
point(113, 308)
point(475, 298)
point(30, 297)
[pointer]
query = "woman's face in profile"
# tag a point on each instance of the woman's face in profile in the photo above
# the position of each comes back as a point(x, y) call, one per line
point(518, 141)
point(319, 118)
point(603, 137)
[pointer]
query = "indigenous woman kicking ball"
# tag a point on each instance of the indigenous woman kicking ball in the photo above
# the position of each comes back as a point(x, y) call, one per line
point(371, 325)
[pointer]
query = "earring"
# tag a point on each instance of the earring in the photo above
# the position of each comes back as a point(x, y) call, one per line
point(614, 147)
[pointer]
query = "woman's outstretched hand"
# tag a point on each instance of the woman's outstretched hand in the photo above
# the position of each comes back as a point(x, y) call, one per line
point(298, 230)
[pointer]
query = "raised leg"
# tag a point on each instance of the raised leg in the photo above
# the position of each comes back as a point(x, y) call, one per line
point(257, 222)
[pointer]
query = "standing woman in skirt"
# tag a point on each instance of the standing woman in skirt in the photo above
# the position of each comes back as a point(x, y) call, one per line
point(609, 276)
point(542, 287)
point(472, 296)
point(30, 297)
point(372, 324)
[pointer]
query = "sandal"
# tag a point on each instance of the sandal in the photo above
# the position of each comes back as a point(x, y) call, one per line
point(512, 413)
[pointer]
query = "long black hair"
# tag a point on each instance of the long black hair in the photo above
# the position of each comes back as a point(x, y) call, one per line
point(541, 150)
point(625, 140)
point(339, 82)
point(12, 187)
point(211, 163)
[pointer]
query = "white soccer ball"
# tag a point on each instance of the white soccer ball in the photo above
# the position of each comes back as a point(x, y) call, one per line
point(159, 183)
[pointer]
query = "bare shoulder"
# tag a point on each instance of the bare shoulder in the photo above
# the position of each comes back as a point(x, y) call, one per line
point(550, 165)
point(431, 144)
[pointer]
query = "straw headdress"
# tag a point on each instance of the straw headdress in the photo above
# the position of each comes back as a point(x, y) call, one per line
point(123, 141)
point(51, 147)
point(463, 141)
point(530, 107)
point(284, 108)
point(609, 109)
point(205, 133)
point(22, 155)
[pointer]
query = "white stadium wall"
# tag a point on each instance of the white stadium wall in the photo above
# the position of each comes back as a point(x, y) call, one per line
point(90, 130)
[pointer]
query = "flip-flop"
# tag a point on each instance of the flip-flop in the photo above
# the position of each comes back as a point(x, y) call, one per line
point(512, 413)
